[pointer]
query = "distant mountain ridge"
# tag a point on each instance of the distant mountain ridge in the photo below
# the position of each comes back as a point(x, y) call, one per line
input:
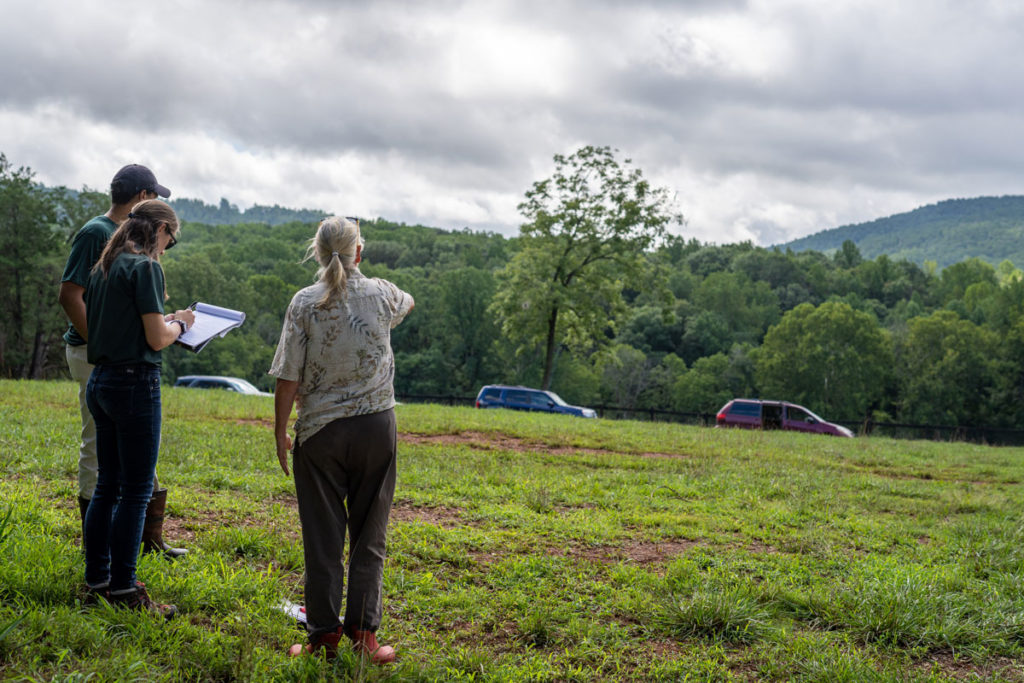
point(197, 211)
point(989, 228)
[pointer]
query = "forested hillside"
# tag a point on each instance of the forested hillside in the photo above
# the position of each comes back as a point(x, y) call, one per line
point(989, 228)
point(849, 337)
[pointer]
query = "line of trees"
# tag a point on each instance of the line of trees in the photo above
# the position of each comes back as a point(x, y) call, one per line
point(648, 319)
point(36, 224)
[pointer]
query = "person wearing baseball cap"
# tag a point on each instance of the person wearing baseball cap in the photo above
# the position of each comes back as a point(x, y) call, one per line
point(133, 179)
point(131, 185)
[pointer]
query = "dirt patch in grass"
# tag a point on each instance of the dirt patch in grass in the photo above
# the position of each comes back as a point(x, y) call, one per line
point(182, 530)
point(653, 554)
point(498, 639)
point(647, 552)
point(637, 552)
point(442, 516)
point(488, 441)
point(945, 477)
point(255, 421)
point(495, 441)
point(964, 669)
point(756, 547)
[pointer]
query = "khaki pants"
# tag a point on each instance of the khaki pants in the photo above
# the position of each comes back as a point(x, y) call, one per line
point(88, 467)
point(345, 478)
point(80, 368)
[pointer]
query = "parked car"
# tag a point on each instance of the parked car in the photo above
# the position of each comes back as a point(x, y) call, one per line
point(524, 398)
point(756, 414)
point(235, 384)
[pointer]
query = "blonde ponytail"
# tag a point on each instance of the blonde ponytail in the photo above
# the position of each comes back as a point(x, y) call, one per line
point(334, 247)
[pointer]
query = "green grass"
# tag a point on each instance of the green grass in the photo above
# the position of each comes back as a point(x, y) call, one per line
point(538, 548)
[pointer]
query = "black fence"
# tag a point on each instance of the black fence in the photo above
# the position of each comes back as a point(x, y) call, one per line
point(995, 436)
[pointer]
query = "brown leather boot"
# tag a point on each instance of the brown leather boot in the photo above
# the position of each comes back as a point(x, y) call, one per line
point(327, 642)
point(139, 599)
point(365, 643)
point(94, 594)
point(153, 530)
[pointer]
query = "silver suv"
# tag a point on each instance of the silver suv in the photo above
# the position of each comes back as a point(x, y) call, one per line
point(235, 384)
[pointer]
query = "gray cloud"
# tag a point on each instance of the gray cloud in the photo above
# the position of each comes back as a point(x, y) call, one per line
point(769, 119)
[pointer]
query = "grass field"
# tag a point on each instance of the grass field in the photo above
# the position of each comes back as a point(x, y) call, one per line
point(541, 548)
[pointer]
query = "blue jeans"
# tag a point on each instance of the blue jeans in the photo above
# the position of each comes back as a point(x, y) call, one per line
point(125, 402)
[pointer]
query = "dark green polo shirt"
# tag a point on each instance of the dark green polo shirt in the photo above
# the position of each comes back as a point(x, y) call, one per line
point(85, 251)
point(114, 306)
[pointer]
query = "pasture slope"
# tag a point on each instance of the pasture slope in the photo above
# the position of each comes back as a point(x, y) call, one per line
point(541, 548)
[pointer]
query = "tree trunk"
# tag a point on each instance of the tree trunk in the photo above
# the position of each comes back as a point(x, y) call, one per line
point(549, 351)
point(17, 316)
point(39, 349)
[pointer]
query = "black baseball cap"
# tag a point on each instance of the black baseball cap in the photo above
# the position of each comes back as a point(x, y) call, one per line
point(135, 178)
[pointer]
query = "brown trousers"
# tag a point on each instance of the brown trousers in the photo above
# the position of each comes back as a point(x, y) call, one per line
point(345, 477)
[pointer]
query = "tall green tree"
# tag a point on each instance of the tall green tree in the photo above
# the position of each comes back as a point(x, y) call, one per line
point(586, 229)
point(31, 260)
point(950, 371)
point(832, 358)
point(465, 330)
point(715, 379)
point(625, 375)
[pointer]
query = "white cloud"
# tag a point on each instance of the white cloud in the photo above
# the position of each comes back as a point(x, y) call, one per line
point(769, 119)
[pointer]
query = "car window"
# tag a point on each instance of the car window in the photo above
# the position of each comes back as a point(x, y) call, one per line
point(539, 399)
point(245, 387)
point(745, 408)
point(491, 394)
point(517, 396)
point(557, 399)
point(815, 416)
point(797, 414)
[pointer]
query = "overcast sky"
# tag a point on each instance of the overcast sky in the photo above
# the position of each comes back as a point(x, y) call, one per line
point(768, 120)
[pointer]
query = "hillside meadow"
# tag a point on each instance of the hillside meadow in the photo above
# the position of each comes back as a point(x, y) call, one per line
point(538, 548)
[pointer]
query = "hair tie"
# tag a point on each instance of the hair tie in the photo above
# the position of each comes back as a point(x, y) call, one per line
point(131, 214)
point(334, 253)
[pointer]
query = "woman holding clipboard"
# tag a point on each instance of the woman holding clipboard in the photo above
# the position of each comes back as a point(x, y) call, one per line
point(127, 331)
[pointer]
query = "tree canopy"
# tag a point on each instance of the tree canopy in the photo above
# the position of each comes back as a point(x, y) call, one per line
point(587, 227)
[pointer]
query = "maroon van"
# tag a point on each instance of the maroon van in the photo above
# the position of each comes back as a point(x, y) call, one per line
point(753, 413)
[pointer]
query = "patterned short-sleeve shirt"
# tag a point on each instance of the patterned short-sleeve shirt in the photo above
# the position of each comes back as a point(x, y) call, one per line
point(340, 355)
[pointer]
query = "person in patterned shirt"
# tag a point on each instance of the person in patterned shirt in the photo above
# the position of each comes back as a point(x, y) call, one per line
point(334, 363)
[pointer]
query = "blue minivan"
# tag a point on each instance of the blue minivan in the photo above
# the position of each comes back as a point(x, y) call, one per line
point(524, 398)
